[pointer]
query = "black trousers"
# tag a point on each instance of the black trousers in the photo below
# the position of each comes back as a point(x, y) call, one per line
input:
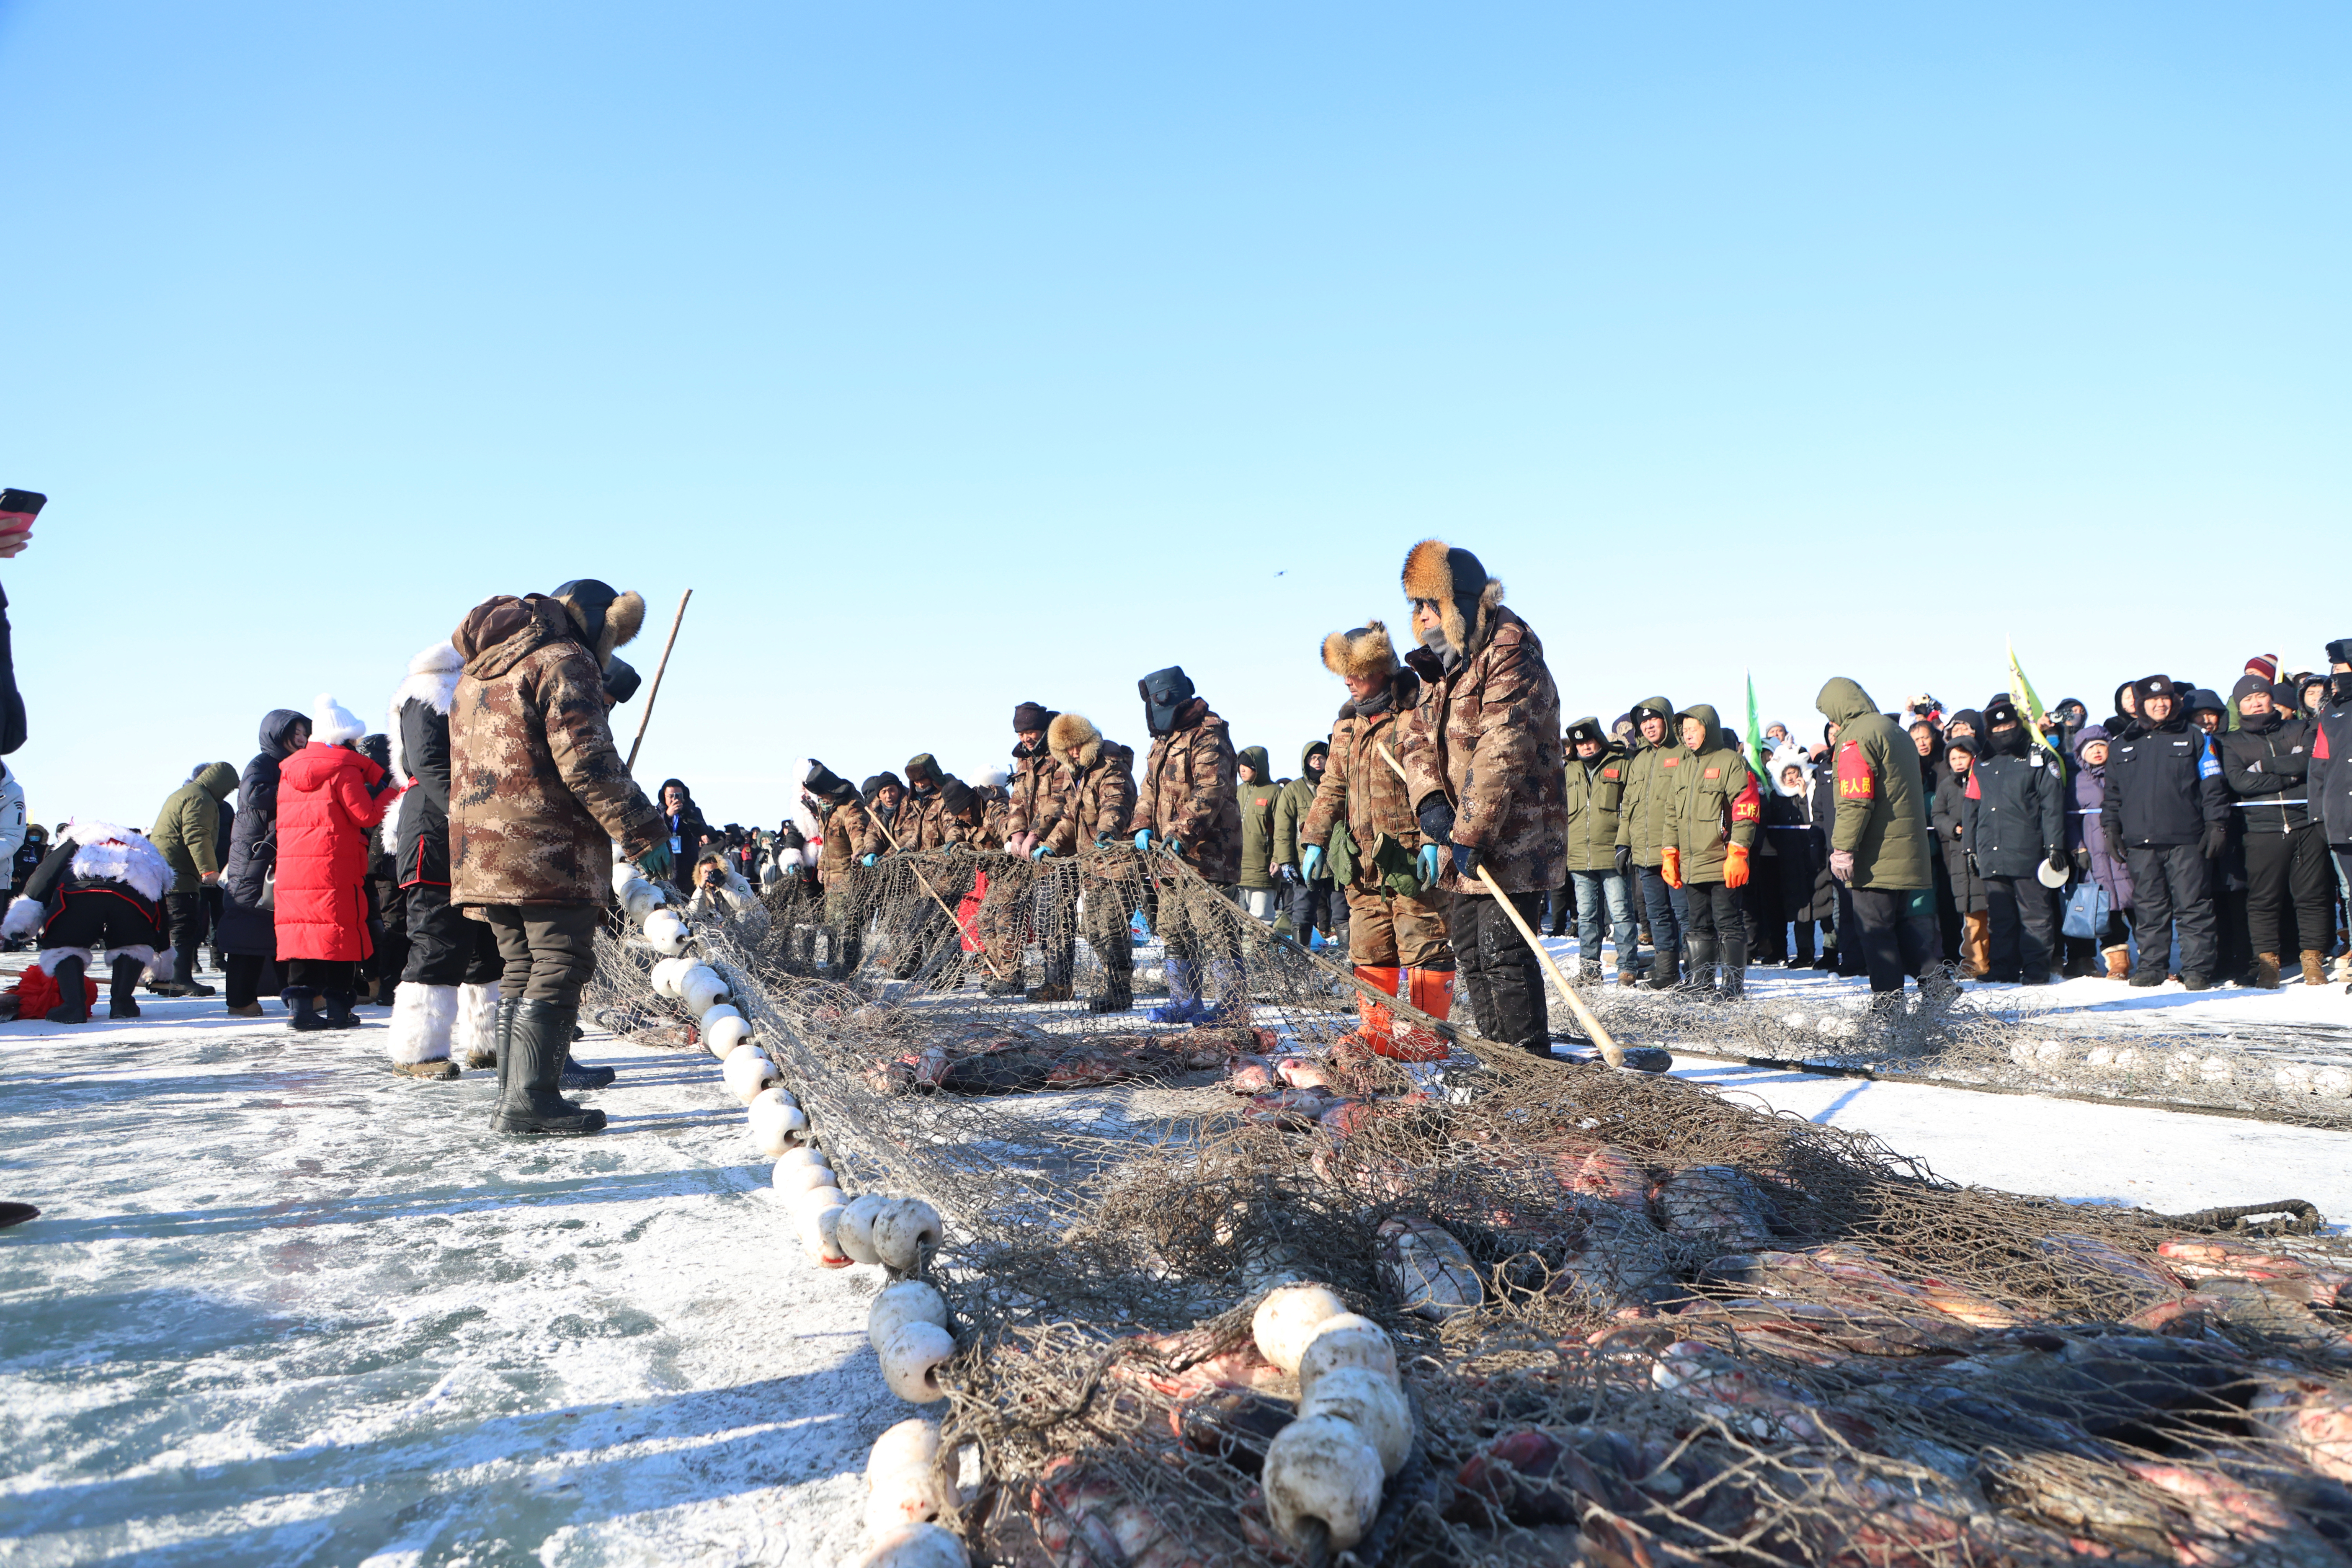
point(547, 951)
point(1895, 928)
point(2287, 873)
point(1718, 929)
point(2018, 914)
point(244, 971)
point(1499, 970)
point(1310, 906)
point(2172, 885)
point(99, 918)
point(186, 913)
point(322, 976)
point(445, 947)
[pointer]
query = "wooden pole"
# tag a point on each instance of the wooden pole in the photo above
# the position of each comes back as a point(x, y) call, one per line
point(1610, 1051)
point(646, 717)
point(934, 892)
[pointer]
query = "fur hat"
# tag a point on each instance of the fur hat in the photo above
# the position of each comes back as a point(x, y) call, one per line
point(1454, 581)
point(923, 770)
point(1073, 740)
point(826, 785)
point(432, 681)
point(1585, 728)
point(2340, 651)
point(1031, 716)
point(1364, 651)
point(607, 617)
point(335, 723)
point(2157, 686)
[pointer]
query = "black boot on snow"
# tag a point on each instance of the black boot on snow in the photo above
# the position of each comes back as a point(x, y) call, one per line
point(305, 1007)
point(73, 997)
point(578, 1077)
point(530, 1062)
point(339, 1010)
point(123, 1001)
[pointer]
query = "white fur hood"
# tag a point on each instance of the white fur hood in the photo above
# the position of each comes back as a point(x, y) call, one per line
point(103, 849)
point(433, 680)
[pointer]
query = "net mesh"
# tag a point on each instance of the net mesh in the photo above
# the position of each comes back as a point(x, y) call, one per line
point(1639, 1320)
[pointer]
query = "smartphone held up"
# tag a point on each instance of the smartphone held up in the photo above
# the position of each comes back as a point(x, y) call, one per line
point(17, 511)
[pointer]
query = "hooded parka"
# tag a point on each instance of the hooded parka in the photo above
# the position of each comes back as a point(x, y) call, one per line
point(1593, 798)
point(188, 830)
point(1257, 801)
point(1882, 816)
point(1297, 798)
point(1190, 792)
point(1652, 774)
point(2013, 813)
point(247, 929)
point(1715, 802)
point(331, 800)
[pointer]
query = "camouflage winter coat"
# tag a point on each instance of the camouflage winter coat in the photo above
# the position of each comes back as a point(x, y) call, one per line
point(1359, 786)
point(1715, 804)
point(1652, 775)
point(937, 818)
point(1486, 737)
point(1191, 792)
point(537, 789)
point(1036, 776)
point(995, 818)
point(849, 834)
point(1093, 798)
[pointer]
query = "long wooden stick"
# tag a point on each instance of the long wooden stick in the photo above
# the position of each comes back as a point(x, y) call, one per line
point(1610, 1051)
point(876, 819)
point(646, 717)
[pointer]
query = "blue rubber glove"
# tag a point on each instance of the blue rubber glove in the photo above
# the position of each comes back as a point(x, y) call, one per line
point(867, 860)
point(1430, 865)
point(655, 862)
point(1310, 865)
point(1173, 846)
point(1466, 862)
point(1040, 852)
point(1143, 840)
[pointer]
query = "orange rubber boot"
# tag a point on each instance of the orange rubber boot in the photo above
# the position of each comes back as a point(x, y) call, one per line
point(1374, 1021)
point(1432, 991)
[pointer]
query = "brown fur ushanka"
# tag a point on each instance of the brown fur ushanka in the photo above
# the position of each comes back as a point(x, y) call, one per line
point(1362, 652)
point(1429, 574)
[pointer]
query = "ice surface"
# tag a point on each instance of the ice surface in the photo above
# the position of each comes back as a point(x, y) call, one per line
point(285, 1306)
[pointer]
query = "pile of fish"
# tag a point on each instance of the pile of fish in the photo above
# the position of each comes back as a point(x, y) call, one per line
point(998, 1058)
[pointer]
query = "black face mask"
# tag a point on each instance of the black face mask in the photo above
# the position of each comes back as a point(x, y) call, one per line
point(2339, 687)
point(1165, 692)
point(1447, 655)
point(2010, 742)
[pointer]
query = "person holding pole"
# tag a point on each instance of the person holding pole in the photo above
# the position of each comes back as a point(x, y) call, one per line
point(1484, 767)
point(538, 795)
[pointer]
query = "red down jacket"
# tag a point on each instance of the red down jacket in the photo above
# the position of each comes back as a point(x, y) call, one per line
point(329, 801)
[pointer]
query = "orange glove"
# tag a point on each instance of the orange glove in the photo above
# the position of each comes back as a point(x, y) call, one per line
point(1735, 866)
point(1672, 868)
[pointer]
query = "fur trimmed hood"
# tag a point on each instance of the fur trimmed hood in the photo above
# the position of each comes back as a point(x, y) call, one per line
point(1365, 651)
point(1073, 741)
point(1788, 756)
point(604, 618)
point(108, 851)
point(1453, 580)
point(432, 681)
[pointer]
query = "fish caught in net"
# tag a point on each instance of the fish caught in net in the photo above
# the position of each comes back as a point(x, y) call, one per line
point(1637, 1321)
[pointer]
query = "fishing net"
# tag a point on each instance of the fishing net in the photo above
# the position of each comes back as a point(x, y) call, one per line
point(1639, 1321)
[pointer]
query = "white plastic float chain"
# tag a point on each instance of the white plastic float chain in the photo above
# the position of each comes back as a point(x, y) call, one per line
point(907, 1323)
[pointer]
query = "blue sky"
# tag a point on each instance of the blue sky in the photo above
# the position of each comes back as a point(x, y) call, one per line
point(960, 356)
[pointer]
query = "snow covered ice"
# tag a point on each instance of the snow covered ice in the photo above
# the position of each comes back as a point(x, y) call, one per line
point(285, 1306)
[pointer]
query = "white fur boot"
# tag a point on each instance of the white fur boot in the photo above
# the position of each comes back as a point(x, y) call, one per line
point(418, 1043)
point(478, 1022)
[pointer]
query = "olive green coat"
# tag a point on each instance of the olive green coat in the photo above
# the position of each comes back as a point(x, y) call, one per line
point(1652, 775)
point(1882, 814)
point(188, 830)
point(1291, 806)
point(1596, 793)
point(1715, 804)
point(1257, 820)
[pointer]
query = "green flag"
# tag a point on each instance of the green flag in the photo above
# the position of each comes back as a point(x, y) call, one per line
point(1755, 731)
point(2020, 691)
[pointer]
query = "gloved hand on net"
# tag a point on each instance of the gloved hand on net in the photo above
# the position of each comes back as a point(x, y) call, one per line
point(1143, 841)
point(867, 859)
point(656, 862)
point(1041, 852)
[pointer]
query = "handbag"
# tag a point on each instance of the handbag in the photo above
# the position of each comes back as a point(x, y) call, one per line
point(2087, 908)
point(268, 899)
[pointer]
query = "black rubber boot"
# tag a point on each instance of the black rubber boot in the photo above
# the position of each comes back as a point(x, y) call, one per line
point(1698, 960)
point(530, 1062)
point(73, 997)
point(1118, 994)
point(124, 1001)
point(578, 1077)
point(306, 1018)
point(339, 1010)
point(1665, 964)
point(502, 1037)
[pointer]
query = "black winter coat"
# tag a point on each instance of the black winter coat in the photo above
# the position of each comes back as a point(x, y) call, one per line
point(1947, 815)
point(2164, 787)
point(246, 928)
point(423, 846)
point(12, 701)
point(1802, 851)
point(2266, 762)
point(2013, 814)
point(2331, 771)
